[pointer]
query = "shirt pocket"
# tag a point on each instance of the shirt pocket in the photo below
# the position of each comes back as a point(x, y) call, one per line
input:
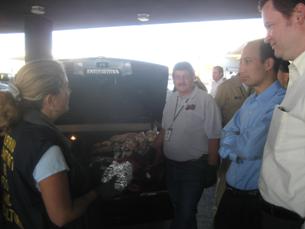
point(277, 127)
point(194, 120)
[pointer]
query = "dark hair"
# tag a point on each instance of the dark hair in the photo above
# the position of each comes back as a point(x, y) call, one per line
point(184, 66)
point(283, 67)
point(219, 68)
point(266, 52)
point(285, 7)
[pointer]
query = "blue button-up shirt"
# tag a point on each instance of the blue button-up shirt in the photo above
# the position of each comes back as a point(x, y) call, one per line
point(244, 137)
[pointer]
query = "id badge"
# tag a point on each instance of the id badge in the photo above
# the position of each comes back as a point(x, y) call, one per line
point(168, 134)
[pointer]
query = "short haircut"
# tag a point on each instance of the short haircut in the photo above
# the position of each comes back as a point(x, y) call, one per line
point(219, 68)
point(285, 7)
point(265, 52)
point(184, 66)
point(283, 67)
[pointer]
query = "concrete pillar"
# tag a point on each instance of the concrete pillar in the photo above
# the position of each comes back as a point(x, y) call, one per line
point(38, 37)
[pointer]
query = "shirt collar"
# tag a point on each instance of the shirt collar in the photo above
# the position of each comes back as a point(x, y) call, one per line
point(268, 92)
point(245, 86)
point(37, 117)
point(219, 81)
point(299, 63)
point(297, 68)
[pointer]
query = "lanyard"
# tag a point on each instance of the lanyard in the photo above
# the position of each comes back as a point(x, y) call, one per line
point(176, 113)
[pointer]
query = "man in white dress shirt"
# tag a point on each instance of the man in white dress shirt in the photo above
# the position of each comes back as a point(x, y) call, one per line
point(282, 179)
point(217, 79)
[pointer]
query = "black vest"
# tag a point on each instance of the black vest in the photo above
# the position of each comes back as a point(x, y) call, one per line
point(22, 149)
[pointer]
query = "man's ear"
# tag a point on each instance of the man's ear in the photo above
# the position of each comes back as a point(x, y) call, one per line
point(300, 13)
point(268, 64)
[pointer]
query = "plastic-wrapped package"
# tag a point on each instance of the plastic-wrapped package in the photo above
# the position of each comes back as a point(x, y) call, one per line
point(121, 172)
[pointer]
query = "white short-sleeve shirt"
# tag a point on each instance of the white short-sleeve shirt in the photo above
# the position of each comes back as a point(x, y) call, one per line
point(51, 162)
point(197, 119)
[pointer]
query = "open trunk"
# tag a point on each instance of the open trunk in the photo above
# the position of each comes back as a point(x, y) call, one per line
point(115, 99)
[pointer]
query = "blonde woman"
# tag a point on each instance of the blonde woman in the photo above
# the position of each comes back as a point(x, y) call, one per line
point(39, 178)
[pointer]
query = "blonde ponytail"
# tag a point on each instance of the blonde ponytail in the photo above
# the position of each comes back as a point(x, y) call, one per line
point(31, 84)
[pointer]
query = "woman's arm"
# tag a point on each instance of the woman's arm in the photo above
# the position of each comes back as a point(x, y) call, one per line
point(60, 207)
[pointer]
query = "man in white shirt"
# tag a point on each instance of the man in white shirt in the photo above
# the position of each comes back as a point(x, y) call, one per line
point(282, 179)
point(217, 79)
point(190, 133)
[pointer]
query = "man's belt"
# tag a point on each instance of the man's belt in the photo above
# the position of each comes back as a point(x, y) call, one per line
point(240, 192)
point(280, 212)
point(202, 157)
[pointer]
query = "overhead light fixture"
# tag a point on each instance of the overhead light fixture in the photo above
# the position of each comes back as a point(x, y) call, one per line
point(38, 10)
point(143, 17)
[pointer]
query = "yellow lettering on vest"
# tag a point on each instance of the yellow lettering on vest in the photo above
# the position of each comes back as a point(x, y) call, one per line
point(9, 142)
point(11, 216)
point(4, 170)
point(8, 158)
point(6, 199)
point(8, 214)
point(4, 183)
point(18, 221)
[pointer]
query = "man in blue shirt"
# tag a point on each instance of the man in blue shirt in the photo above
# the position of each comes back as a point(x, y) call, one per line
point(243, 138)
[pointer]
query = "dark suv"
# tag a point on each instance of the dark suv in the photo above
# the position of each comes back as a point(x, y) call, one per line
point(116, 97)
